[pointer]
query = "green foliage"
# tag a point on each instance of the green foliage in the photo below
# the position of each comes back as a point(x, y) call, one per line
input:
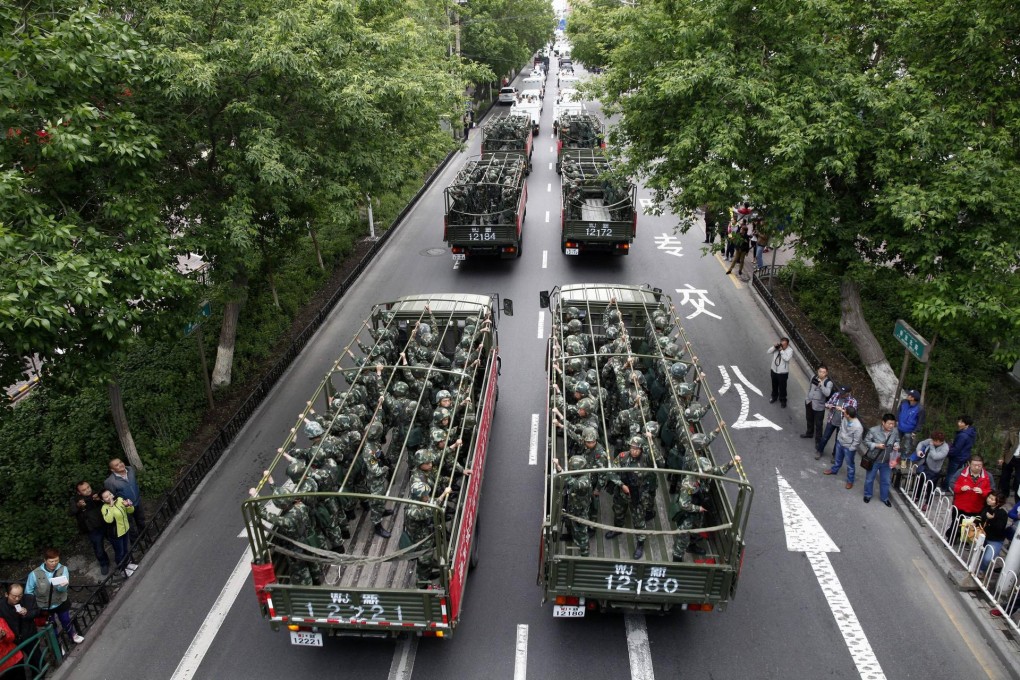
point(503, 34)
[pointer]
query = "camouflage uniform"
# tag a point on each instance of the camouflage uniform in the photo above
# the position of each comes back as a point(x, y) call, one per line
point(295, 523)
point(689, 513)
point(376, 476)
point(419, 524)
point(642, 486)
point(578, 496)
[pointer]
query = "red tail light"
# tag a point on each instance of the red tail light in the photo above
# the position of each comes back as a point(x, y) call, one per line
point(567, 600)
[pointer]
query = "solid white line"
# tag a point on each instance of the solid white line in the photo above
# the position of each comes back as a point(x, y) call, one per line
point(545, 259)
point(546, 215)
point(638, 648)
point(403, 659)
point(521, 653)
point(541, 325)
point(533, 446)
point(856, 641)
point(203, 639)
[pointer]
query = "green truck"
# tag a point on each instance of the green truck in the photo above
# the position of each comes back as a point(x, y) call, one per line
point(578, 131)
point(323, 563)
point(486, 206)
point(598, 209)
point(509, 134)
point(601, 572)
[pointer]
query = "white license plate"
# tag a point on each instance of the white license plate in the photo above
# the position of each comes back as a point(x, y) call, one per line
point(571, 251)
point(303, 639)
point(458, 256)
point(563, 611)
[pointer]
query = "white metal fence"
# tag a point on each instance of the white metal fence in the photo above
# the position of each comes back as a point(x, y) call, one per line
point(998, 581)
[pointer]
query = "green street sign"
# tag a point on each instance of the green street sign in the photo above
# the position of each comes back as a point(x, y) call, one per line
point(912, 340)
point(204, 310)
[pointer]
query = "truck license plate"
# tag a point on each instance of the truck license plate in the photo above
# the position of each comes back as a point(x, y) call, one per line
point(563, 611)
point(571, 251)
point(303, 639)
point(458, 257)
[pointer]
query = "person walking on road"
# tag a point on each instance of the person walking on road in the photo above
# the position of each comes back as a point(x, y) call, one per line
point(780, 369)
point(883, 444)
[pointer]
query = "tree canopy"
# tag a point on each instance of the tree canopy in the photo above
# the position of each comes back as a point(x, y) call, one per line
point(503, 34)
point(878, 134)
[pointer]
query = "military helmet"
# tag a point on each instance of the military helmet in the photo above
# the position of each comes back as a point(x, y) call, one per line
point(573, 346)
point(678, 369)
point(443, 394)
point(701, 440)
point(673, 350)
point(659, 321)
point(375, 431)
point(572, 313)
point(695, 412)
point(400, 389)
point(592, 377)
point(612, 333)
point(422, 457)
point(574, 326)
point(685, 389)
point(342, 422)
point(284, 504)
point(613, 316)
point(581, 387)
point(637, 441)
point(588, 404)
point(313, 429)
point(577, 463)
point(440, 415)
point(589, 434)
point(703, 463)
point(438, 435)
point(377, 351)
point(419, 492)
point(664, 342)
point(652, 427)
point(424, 329)
point(295, 470)
point(574, 365)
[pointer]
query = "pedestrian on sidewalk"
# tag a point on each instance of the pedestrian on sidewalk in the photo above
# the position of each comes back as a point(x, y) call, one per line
point(910, 418)
point(115, 513)
point(993, 520)
point(931, 454)
point(86, 508)
point(780, 370)
point(123, 483)
point(848, 440)
point(883, 444)
point(960, 449)
point(49, 582)
point(969, 493)
point(741, 246)
point(1009, 481)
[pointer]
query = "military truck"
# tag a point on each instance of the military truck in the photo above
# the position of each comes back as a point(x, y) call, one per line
point(510, 135)
point(578, 131)
point(486, 206)
point(665, 532)
point(362, 539)
point(597, 209)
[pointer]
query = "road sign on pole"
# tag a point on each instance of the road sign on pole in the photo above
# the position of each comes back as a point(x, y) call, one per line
point(912, 340)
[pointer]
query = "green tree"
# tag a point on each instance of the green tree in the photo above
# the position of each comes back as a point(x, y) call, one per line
point(592, 30)
point(85, 264)
point(278, 115)
point(862, 128)
point(503, 34)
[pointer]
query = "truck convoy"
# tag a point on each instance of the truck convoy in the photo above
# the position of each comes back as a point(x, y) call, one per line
point(365, 522)
point(639, 509)
point(578, 131)
point(598, 212)
point(486, 206)
point(509, 135)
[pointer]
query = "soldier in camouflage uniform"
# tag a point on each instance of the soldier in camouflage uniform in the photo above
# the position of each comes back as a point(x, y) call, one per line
point(376, 477)
point(634, 491)
point(690, 514)
point(418, 520)
point(329, 521)
point(295, 523)
point(400, 413)
point(578, 494)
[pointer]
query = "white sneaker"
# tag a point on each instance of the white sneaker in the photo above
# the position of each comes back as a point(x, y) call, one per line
point(78, 639)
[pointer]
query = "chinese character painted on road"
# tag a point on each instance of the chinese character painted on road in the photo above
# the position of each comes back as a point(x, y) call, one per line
point(669, 244)
point(698, 299)
point(745, 403)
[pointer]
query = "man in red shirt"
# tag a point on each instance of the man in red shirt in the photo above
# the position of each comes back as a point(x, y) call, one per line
point(971, 489)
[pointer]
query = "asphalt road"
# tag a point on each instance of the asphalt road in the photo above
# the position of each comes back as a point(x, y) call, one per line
point(780, 624)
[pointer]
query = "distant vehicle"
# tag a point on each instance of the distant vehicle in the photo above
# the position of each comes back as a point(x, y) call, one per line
point(533, 83)
point(508, 95)
point(598, 213)
point(564, 108)
point(509, 135)
point(530, 105)
point(567, 82)
point(486, 206)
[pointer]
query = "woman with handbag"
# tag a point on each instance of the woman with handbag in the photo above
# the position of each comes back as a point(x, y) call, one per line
point(993, 520)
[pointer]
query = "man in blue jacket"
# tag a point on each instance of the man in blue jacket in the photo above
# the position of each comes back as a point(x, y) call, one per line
point(960, 449)
point(910, 419)
point(123, 483)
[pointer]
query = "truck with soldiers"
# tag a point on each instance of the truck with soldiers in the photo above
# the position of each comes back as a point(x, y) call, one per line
point(485, 207)
point(598, 211)
point(641, 510)
point(577, 131)
point(365, 522)
point(509, 135)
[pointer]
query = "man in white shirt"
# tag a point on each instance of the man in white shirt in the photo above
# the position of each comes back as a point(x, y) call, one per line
point(781, 353)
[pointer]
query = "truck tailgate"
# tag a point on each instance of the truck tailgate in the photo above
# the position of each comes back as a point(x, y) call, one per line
point(352, 608)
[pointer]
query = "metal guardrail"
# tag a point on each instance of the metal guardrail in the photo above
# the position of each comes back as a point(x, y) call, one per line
point(86, 614)
point(41, 653)
point(760, 280)
point(999, 586)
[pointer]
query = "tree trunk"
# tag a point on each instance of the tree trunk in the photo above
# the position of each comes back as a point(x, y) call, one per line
point(318, 252)
point(853, 324)
point(228, 333)
point(272, 287)
point(127, 442)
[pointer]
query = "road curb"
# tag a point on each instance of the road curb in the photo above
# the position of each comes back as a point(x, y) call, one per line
point(798, 356)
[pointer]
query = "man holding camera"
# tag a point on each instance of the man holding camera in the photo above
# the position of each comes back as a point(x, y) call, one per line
point(780, 369)
point(814, 404)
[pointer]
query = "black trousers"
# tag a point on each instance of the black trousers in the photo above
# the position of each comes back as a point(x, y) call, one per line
point(779, 381)
point(813, 420)
point(1010, 478)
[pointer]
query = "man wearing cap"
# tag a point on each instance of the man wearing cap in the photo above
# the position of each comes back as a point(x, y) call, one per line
point(909, 421)
point(834, 408)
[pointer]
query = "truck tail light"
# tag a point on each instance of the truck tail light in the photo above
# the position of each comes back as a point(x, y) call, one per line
point(568, 600)
point(623, 246)
point(509, 249)
point(457, 250)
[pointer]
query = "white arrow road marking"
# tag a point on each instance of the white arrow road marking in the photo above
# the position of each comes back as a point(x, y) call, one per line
point(203, 639)
point(745, 406)
point(521, 653)
point(638, 649)
point(533, 446)
point(541, 325)
point(403, 659)
point(805, 534)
